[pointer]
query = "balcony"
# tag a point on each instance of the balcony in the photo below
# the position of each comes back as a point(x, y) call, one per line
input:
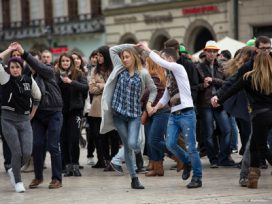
point(61, 26)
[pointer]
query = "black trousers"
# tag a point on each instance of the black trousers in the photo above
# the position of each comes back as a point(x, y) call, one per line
point(90, 137)
point(107, 145)
point(70, 134)
point(261, 124)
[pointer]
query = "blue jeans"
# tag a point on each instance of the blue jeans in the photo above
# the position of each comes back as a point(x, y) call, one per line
point(186, 124)
point(46, 127)
point(234, 134)
point(156, 129)
point(128, 129)
point(208, 115)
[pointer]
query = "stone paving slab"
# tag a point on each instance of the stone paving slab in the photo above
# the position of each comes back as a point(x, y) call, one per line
point(95, 186)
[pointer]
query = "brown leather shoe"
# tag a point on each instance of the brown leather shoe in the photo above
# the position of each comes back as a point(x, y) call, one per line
point(35, 182)
point(55, 184)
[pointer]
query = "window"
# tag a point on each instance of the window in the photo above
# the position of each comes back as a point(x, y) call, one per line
point(48, 12)
point(72, 9)
point(262, 30)
point(96, 8)
point(25, 12)
point(6, 13)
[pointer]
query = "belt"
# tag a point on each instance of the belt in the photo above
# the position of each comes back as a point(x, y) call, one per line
point(179, 112)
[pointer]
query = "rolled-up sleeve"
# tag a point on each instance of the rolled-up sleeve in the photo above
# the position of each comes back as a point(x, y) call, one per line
point(36, 93)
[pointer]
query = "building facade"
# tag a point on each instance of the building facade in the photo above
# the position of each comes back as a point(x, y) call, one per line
point(59, 25)
point(190, 22)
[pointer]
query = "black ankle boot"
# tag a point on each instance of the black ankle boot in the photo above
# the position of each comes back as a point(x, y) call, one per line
point(99, 164)
point(76, 170)
point(195, 183)
point(69, 170)
point(135, 183)
point(187, 171)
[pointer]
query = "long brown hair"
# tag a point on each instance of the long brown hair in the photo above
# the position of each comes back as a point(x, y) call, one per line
point(261, 74)
point(156, 70)
point(75, 73)
point(137, 61)
point(231, 66)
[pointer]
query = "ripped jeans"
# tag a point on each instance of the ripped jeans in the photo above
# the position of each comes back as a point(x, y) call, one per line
point(185, 122)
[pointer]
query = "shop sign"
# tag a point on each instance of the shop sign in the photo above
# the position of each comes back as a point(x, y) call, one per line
point(129, 19)
point(200, 10)
point(148, 19)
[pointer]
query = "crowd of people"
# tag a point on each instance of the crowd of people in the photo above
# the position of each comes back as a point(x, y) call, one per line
point(136, 101)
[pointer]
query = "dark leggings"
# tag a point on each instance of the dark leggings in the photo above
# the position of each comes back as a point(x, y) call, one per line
point(261, 124)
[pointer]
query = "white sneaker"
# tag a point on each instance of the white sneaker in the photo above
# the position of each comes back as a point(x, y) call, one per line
point(11, 176)
point(91, 161)
point(19, 187)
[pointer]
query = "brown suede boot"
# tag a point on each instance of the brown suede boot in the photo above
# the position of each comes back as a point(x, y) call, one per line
point(150, 165)
point(180, 165)
point(158, 169)
point(253, 177)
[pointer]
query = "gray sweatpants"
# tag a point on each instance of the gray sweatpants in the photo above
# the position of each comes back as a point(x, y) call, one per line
point(17, 131)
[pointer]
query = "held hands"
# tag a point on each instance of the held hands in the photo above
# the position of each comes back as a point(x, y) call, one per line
point(150, 110)
point(214, 101)
point(144, 46)
point(16, 46)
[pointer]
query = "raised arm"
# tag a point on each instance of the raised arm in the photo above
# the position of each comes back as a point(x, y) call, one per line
point(10, 48)
point(42, 69)
point(115, 53)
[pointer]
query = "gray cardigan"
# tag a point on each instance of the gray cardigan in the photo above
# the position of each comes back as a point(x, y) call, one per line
point(106, 110)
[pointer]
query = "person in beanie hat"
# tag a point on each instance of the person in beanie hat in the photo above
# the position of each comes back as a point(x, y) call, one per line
point(20, 99)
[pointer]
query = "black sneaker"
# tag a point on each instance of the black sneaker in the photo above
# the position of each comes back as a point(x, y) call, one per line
point(214, 165)
point(186, 171)
point(195, 183)
point(116, 168)
point(227, 163)
point(243, 182)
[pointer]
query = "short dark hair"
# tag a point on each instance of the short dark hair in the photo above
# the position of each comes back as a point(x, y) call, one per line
point(35, 52)
point(170, 51)
point(93, 54)
point(226, 54)
point(172, 43)
point(262, 39)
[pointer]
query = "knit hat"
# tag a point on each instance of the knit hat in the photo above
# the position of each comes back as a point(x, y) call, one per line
point(251, 42)
point(182, 49)
point(16, 60)
point(211, 45)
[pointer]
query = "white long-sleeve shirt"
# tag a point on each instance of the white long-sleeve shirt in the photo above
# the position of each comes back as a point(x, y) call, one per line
point(183, 84)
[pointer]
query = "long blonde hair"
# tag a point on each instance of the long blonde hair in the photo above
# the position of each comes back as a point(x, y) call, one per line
point(156, 70)
point(137, 61)
point(231, 66)
point(261, 74)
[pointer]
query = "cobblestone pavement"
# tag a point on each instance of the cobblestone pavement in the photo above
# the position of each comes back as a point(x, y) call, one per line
point(95, 186)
